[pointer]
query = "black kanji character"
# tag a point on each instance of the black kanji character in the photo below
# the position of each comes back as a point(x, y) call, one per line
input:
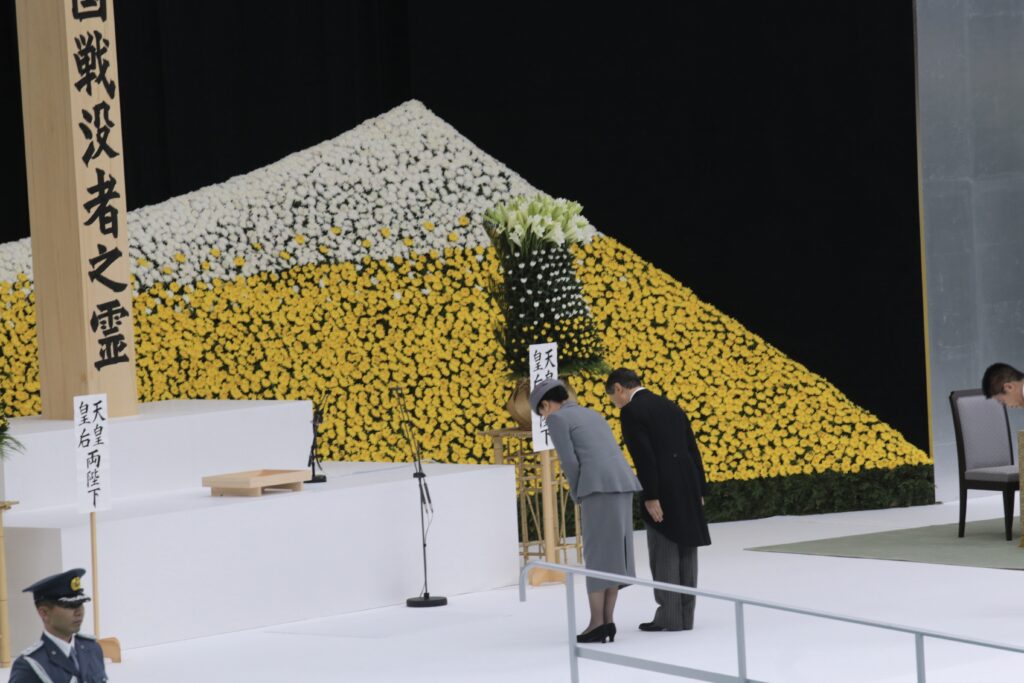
point(89, 9)
point(108, 317)
point(99, 121)
point(112, 350)
point(93, 459)
point(92, 63)
point(103, 260)
point(99, 206)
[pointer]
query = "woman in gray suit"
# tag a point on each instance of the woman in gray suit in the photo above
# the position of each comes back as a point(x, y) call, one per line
point(601, 481)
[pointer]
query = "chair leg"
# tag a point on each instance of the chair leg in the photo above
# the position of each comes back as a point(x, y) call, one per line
point(963, 511)
point(1008, 497)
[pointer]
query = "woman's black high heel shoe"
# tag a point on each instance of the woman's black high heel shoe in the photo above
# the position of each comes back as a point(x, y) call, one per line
point(611, 630)
point(598, 634)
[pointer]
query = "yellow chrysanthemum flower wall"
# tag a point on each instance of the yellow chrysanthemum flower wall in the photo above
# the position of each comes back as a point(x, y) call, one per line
point(342, 336)
point(355, 308)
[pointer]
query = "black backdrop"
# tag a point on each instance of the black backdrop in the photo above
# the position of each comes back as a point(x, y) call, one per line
point(762, 153)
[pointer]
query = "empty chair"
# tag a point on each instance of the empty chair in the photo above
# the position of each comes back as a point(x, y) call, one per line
point(984, 451)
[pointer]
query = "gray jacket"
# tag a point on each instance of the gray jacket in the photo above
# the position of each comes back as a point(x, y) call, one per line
point(590, 457)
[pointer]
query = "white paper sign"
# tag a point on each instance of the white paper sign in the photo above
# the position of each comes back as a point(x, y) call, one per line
point(92, 452)
point(543, 365)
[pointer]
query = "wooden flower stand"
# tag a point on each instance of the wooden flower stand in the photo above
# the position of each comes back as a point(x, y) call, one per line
point(5, 626)
point(543, 496)
point(1020, 464)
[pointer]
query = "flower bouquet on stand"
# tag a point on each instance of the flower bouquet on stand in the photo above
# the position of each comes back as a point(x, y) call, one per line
point(539, 295)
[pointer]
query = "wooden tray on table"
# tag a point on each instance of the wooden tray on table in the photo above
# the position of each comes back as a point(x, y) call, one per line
point(254, 482)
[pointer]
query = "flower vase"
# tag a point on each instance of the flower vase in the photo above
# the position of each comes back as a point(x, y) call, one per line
point(518, 404)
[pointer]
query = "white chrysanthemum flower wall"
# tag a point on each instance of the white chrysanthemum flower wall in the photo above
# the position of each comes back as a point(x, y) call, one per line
point(402, 183)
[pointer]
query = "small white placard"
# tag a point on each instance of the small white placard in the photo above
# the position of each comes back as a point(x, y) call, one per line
point(92, 452)
point(543, 365)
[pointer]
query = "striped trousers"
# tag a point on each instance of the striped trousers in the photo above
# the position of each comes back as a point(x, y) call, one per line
point(672, 563)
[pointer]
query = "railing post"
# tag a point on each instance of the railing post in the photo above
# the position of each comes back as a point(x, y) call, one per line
point(919, 646)
point(741, 643)
point(570, 604)
point(575, 652)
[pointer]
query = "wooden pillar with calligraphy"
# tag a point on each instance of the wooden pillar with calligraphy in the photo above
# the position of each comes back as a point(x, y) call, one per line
point(77, 209)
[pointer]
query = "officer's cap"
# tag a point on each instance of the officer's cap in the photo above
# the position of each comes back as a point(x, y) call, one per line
point(63, 589)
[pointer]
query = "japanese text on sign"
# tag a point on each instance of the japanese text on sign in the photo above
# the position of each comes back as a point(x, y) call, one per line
point(92, 452)
point(93, 76)
point(543, 365)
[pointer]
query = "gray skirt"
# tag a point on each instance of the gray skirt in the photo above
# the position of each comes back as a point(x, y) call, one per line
point(607, 520)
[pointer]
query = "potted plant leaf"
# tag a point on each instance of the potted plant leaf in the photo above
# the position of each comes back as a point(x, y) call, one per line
point(8, 444)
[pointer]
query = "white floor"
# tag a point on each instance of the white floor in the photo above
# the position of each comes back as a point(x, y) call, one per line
point(491, 636)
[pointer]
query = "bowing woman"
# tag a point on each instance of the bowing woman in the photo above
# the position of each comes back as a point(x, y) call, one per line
point(602, 483)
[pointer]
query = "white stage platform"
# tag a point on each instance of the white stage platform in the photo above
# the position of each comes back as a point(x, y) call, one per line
point(177, 563)
point(490, 637)
point(198, 437)
point(186, 564)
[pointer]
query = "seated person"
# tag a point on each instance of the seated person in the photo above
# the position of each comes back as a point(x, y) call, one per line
point(1005, 384)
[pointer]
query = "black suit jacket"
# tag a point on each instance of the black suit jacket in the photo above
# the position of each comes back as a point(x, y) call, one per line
point(660, 439)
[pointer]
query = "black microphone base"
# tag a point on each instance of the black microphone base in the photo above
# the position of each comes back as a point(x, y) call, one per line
point(427, 600)
point(317, 479)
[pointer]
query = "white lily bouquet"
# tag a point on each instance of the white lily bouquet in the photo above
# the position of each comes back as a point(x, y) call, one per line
point(530, 222)
point(540, 295)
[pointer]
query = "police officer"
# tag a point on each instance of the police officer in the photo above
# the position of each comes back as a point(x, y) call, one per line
point(62, 655)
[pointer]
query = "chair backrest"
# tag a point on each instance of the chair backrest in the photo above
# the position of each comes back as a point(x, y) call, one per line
point(982, 430)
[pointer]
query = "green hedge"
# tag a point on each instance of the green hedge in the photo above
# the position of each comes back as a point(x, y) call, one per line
point(808, 494)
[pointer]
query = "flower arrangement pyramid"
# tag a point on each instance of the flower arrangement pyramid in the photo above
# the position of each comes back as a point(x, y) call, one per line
point(538, 294)
point(364, 262)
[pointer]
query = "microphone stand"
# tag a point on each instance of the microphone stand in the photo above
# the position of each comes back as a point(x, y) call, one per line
point(425, 599)
point(314, 459)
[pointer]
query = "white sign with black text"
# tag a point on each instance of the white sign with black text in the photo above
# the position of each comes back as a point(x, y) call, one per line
point(543, 365)
point(92, 452)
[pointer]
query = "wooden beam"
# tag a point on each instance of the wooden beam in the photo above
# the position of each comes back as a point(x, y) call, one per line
point(77, 209)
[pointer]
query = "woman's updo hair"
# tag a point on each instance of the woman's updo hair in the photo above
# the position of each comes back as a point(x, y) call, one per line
point(557, 394)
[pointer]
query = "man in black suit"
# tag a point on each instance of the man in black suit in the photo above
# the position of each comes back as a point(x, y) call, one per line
point(664, 450)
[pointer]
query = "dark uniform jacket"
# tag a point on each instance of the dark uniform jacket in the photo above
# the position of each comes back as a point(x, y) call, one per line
point(45, 663)
point(660, 439)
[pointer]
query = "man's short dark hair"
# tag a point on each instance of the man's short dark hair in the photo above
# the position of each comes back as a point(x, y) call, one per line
point(558, 394)
point(996, 376)
point(627, 378)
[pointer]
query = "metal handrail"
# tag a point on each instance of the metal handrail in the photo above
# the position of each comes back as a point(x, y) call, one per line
point(576, 652)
